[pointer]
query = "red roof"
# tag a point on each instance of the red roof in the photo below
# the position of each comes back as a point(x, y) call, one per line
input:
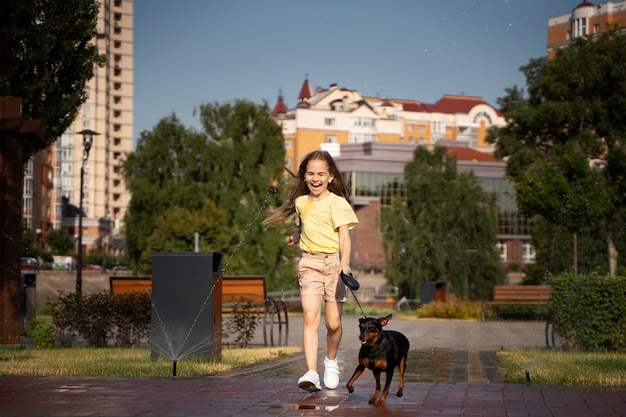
point(584, 4)
point(470, 154)
point(305, 92)
point(280, 106)
point(455, 104)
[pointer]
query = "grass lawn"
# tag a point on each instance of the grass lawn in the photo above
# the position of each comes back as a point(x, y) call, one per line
point(569, 369)
point(123, 362)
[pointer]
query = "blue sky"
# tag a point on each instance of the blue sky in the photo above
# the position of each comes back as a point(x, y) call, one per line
point(192, 52)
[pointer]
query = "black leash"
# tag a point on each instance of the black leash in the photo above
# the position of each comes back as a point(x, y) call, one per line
point(353, 284)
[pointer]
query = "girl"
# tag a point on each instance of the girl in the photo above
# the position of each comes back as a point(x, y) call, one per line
point(320, 203)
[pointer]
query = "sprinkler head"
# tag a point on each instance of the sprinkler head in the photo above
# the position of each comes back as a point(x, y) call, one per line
point(528, 375)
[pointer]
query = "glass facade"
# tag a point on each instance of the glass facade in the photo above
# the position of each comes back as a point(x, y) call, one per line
point(389, 185)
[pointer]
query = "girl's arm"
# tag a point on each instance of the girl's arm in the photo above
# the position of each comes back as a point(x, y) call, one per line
point(345, 247)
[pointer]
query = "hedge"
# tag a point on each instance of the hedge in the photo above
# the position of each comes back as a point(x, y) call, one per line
point(589, 311)
point(125, 318)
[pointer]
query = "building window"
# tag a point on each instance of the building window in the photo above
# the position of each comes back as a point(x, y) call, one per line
point(117, 86)
point(528, 253)
point(288, 143)
point(329, 121)
point(330, 139)
point(438, 126)
point(117, 71)
point(365, 121)
point(501, 247)
point(596, 28)
point(410, 127)
point(117, 99)
point(117, 30)
point(117, 44)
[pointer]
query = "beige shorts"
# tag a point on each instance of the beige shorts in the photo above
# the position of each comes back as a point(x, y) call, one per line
point(319, 274)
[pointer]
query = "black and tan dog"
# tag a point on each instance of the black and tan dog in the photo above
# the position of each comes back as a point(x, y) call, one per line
point(381, 351)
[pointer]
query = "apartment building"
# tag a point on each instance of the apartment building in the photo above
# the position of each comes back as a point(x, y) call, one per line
point(585, 19)
point(339, 116)
point(53, 176)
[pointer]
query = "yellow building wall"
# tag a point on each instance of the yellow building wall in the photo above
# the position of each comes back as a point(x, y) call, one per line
point(389, 138)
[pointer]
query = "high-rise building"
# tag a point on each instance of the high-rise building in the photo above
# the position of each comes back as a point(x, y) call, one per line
point(53, 176)
point(585, 19)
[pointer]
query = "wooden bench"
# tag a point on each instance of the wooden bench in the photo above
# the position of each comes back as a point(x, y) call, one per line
point(520, 295)
point(252, 289)
point(235, 290)
point(127, 285)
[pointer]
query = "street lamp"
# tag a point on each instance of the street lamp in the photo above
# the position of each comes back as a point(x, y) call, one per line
point(87, 142)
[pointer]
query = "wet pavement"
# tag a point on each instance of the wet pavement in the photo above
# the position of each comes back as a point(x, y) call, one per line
point(451, 372)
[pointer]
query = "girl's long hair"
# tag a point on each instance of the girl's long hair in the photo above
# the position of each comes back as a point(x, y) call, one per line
point(337, 186)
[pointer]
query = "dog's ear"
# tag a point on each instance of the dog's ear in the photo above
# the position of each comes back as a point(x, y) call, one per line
point(384, 320)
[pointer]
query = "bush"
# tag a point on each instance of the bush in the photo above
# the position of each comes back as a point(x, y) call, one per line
point(65, 318)
point(453, 308)
point(589, 311)
point(101, 317)
point(42, 333)
point(131, 318)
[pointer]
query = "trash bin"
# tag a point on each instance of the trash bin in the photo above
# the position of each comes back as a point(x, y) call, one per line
point(185, 290)
point(28, 288)
point(432, 291)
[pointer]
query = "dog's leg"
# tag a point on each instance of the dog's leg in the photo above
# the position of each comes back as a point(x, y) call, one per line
point(383, 398)
point(357, 373)
point(375, 396)
point(402, 368)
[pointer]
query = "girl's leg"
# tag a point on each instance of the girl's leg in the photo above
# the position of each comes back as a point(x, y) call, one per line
point(311, 307)
point(334, 330)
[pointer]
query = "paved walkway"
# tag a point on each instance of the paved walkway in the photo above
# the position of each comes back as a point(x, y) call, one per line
point(451, 372)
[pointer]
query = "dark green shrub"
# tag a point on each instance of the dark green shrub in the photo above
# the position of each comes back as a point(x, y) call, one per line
point(589, 311)
point(96, 319)
point(101, 317)
point(42, 333)
point(131, 318)
point(65, 318)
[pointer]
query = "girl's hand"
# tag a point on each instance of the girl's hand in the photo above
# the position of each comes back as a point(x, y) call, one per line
point(293, 239)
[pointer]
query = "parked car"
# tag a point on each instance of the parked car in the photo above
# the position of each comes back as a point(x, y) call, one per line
point(30, 264)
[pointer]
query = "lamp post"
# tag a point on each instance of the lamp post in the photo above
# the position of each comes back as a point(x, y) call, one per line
point(87, 142)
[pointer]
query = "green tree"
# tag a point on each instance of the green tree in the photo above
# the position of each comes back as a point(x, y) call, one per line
point(60, 243)
point(235, 162)
point(446, 230)
point(48, 55)
point(565, 141)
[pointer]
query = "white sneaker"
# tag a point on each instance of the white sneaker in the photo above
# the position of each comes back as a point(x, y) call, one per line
point(331, 373)
point(310, 382)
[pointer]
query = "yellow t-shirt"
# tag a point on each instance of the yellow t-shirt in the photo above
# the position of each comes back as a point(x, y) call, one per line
point(320, 220)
